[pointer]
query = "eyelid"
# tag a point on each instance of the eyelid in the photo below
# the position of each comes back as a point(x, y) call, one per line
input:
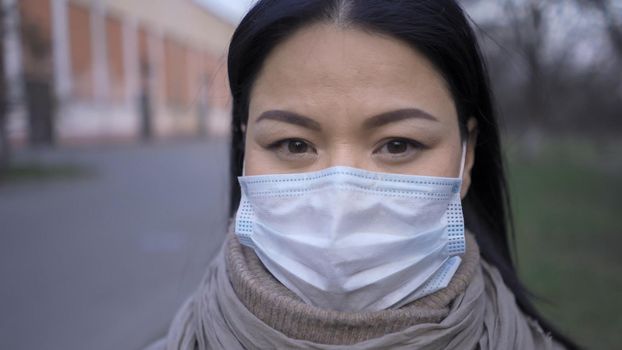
point(280, 142)
point(414, 143)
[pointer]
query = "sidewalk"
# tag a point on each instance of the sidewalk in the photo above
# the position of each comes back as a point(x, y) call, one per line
point(103, 261)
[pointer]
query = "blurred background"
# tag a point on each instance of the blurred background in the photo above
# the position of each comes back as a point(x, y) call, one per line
point(114, 121)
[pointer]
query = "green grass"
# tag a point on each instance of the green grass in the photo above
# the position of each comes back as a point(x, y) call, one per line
point(568, 213)
point(31, 172)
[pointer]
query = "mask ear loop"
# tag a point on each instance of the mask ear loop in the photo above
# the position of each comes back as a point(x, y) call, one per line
point(457, 187)
point(243, 129)
point(463, 160)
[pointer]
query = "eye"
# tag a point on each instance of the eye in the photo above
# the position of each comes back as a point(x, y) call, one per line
point(398, 148)
point(297, 146)
point(293, 148)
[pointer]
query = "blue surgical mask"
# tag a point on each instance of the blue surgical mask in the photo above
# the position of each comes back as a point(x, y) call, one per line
point(348, 239)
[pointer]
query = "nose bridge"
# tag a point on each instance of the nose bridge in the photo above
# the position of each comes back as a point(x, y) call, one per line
point(345, 146)
point(344, 153)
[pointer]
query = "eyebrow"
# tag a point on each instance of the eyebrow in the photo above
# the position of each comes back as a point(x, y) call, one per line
point(291, 118)
point(371, 123)
point(396, 116)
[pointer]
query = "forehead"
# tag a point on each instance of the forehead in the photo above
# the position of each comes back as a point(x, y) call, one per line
point(326, 68)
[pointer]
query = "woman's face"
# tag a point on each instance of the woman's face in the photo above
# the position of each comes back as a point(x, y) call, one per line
point(330, 96)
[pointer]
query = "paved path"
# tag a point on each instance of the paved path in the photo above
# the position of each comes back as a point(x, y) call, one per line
point(103, 262)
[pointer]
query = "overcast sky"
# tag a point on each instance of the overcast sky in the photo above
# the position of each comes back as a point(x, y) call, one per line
point(233, 10)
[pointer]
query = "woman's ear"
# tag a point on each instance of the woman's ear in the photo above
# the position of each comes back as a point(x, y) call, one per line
point(470, 156)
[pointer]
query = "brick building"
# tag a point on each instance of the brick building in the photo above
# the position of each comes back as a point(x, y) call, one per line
point(91, 70)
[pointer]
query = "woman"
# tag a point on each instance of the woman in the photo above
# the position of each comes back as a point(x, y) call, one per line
point(361, 129)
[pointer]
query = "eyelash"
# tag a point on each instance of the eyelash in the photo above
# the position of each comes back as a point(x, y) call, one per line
point(384, 143)
point(280, 143)
point(410, 142)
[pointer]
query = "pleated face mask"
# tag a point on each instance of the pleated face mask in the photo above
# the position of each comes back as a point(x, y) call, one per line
point(348, 239)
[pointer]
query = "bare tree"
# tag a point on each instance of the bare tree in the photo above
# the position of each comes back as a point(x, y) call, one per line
point(551, 76)
point(612, 20)
point(529, 40)
point(520, 69)
point(5, 151)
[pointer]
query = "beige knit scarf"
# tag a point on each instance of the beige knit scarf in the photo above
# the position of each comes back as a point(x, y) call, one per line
point(239, 305)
